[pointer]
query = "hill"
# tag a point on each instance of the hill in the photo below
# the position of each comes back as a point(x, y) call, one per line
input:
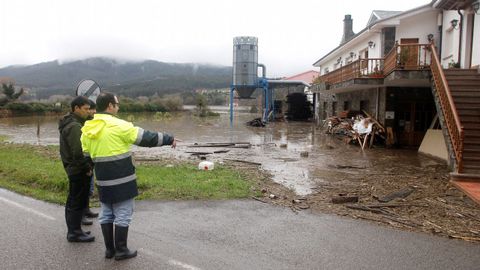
point(126, 78)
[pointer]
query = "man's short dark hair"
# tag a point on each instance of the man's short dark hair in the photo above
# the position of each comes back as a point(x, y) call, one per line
point(92, 104)
point(103, 100)
point(79, 101)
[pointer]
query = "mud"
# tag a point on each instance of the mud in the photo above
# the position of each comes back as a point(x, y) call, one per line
point(308, 169)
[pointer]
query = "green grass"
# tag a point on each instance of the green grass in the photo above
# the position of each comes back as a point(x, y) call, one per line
point(37, 171)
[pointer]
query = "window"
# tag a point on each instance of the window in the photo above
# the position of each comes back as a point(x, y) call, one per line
point(334, 108)
point(346, 105)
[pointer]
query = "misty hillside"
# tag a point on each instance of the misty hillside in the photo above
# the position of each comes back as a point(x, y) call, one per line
point(126, 78)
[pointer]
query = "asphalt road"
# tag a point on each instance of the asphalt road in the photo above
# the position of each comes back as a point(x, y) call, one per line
point(222, 235)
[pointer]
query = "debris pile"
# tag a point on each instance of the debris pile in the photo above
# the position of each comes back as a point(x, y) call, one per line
point(361, 128)
point(257, 122)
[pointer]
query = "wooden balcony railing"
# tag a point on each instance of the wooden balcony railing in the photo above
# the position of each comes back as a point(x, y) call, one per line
point(401, 57)
point(454, 126)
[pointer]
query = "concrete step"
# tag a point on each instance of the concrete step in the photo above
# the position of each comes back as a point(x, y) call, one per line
point(475, 107)
point(471, 169)
point(471, 125)
point(454, 82)
point(462, 77)
point(468, 110)
point(469, 94)
point(469, 118)
point(448, 72)
point(464, 88)
point(465, 100)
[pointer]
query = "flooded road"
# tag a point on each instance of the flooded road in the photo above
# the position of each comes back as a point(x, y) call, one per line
point(329, 159)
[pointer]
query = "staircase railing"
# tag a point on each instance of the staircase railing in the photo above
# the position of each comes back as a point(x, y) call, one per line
point(454, 127)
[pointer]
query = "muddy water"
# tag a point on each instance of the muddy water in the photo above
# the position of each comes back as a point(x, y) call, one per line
point(328, 158)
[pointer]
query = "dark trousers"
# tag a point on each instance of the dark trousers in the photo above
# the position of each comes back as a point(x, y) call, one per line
point(77, 200)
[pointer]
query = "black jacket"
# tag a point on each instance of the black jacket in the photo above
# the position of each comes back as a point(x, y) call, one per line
point(71, 152)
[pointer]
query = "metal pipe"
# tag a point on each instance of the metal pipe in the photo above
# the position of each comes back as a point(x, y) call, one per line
point(264, 70)
point(231, 106)
point(460, 38)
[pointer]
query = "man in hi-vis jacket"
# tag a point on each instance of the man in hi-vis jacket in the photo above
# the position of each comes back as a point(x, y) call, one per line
point(107, 140)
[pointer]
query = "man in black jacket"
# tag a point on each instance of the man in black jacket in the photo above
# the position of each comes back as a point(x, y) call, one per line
point(78, 168)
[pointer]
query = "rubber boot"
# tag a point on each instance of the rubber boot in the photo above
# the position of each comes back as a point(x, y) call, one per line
point(107, 230)
point(121, 250)
point(88, 212)
point(75, 233)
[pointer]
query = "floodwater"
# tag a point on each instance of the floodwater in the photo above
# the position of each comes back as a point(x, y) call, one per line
point(327, 156)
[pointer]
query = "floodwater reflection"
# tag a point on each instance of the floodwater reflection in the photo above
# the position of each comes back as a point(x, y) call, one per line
point(329, 159)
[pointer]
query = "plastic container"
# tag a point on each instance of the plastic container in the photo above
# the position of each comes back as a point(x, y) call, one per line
point(206, 165)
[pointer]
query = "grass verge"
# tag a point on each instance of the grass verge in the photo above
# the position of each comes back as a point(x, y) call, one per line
point(37, 171)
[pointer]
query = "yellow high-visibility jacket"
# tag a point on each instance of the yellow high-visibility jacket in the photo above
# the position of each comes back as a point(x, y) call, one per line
point(107, 140)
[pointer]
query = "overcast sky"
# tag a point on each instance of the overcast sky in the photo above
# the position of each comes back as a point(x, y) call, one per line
point(292, 34)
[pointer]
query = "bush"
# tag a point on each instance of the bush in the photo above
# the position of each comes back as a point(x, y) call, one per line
point(19, 107)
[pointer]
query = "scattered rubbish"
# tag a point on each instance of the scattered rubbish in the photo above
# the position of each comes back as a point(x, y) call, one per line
point(169, 166)
point(264, 190)
point(206, 165)
point(272, 196)
point(304, 154)
point(283, 145)
point(403, 193)
point(345, 199)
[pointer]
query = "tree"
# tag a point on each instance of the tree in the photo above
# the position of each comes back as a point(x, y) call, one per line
point(10, 94)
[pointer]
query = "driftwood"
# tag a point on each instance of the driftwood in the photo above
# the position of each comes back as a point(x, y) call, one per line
point(403, 193)
point(390, 205)
point(466, 238)
point(244, 161)
point(345, 199)
point(199, 153)
point(258, 199)
point(206, 153)
point(364, 208)
point(348, 167)
point(230, 145)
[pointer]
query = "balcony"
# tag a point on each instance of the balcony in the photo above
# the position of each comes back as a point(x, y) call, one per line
point(405, 65)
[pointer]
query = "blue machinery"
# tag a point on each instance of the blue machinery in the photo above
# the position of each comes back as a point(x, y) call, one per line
point(267, 99)
point(246, 80)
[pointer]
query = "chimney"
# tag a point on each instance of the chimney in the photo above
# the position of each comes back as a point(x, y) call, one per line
point(347, 29)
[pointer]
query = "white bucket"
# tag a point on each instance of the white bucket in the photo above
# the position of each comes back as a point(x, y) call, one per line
point(206, 165)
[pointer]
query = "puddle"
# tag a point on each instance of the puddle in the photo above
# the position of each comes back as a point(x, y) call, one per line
point(329, 159)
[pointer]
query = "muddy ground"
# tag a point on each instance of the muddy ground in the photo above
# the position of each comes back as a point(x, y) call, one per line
point(434, 205)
